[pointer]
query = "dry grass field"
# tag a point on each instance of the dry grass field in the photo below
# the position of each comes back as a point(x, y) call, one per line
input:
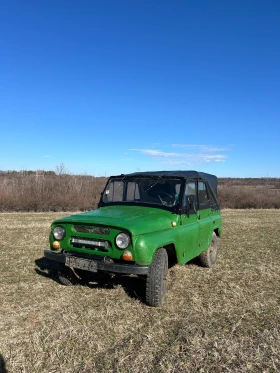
point(221, 320)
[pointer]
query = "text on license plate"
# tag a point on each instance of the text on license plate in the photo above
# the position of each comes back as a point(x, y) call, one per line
point(80, 263)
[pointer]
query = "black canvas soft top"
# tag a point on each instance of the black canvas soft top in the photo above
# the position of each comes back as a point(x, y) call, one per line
point(211, 179)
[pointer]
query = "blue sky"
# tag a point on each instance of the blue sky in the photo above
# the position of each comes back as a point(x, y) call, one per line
point(110, 87)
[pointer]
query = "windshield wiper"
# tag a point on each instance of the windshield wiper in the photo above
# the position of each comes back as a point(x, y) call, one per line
point(160, 177)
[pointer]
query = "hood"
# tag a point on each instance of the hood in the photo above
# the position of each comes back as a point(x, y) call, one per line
point(138, 220)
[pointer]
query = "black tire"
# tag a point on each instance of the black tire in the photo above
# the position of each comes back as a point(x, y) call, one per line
point(66, 276)
point(209, 257)
point(156, 279)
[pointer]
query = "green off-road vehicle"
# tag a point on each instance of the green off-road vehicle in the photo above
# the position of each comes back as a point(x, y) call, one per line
point(145, 222)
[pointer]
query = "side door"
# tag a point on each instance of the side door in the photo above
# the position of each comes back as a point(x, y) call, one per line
point(189, 222)
point(204, 215)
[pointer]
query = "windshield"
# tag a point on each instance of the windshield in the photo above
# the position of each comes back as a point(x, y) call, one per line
point(154, 191)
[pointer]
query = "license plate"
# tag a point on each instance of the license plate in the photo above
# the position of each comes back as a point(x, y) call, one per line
point(80, 263)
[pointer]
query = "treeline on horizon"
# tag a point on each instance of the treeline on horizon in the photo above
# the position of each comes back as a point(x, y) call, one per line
point(62, 191)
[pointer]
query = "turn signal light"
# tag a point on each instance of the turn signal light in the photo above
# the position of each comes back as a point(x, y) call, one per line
point(127, 255)
point(56, 245)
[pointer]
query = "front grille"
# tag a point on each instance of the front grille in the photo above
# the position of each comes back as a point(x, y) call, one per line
point(89, 243)
point(91, 229)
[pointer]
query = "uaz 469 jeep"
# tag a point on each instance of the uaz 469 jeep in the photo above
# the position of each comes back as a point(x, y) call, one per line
point(144, 222)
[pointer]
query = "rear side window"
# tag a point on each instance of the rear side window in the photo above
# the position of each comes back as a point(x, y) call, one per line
point(203, 196)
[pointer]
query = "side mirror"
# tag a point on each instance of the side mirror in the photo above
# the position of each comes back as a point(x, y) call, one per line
point(191, 205)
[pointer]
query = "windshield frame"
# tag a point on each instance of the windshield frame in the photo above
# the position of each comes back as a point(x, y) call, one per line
point(156, 179)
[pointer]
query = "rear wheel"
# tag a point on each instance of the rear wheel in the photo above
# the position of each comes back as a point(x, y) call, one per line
point(156, 279)
point(209, 257)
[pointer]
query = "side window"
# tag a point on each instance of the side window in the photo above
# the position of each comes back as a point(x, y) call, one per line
point(189, 200)
point(203, 196)
point(177, 188)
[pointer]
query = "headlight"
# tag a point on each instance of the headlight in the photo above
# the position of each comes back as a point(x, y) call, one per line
point(59, 232)
point(122, 240)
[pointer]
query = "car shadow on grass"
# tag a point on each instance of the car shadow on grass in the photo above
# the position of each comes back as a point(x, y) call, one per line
point(2, 365)
point(195, 261)
point(133, 286)
point(47, 268)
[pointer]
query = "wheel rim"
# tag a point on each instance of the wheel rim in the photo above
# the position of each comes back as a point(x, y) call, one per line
point(213, 250)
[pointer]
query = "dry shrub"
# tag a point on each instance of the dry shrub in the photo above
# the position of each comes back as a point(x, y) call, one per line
point(49, 192)
point(249, 193)
point(62, 191)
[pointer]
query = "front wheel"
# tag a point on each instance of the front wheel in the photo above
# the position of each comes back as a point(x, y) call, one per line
point(209, 257)
point(66, 275)
point(156, 279)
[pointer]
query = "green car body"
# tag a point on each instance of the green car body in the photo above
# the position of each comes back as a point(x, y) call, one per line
point(143, 222)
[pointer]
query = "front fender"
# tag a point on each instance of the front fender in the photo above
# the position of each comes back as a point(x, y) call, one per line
point(145, 245)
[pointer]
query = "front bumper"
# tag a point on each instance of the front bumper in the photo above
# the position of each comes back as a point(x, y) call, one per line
point(94, 265)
